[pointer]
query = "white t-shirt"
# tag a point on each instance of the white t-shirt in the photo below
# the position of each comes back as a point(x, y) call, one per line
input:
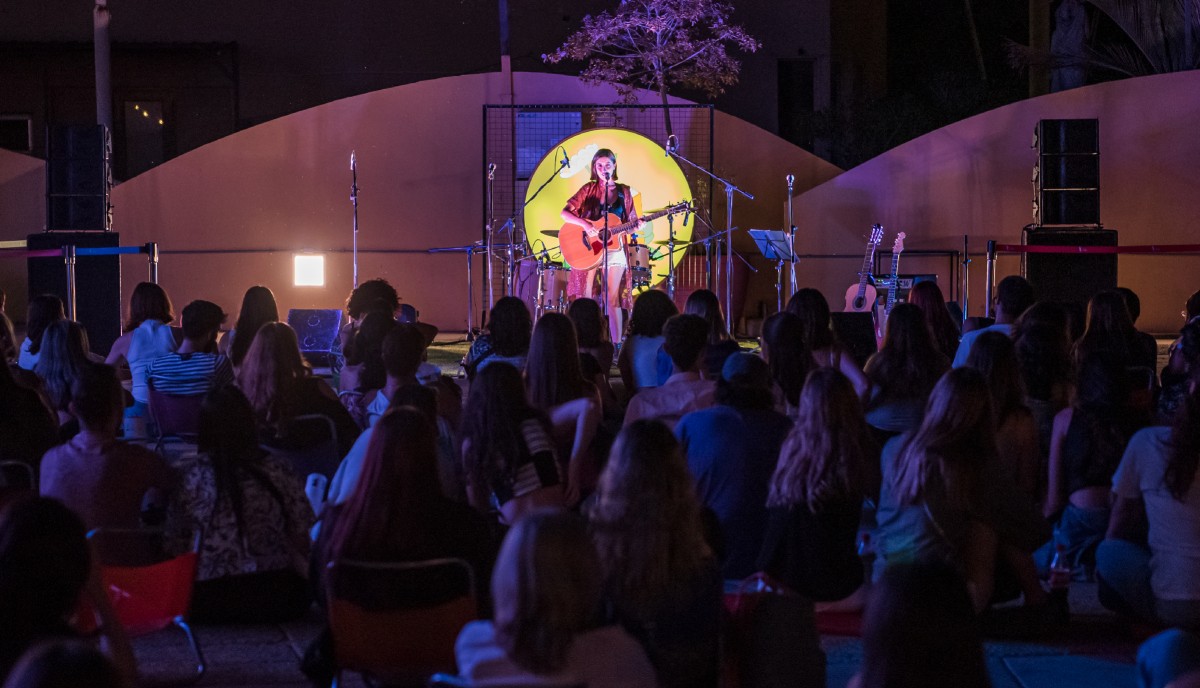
point(964, 344)
point(1174, 536)
point(25, 359)
point(150, 340)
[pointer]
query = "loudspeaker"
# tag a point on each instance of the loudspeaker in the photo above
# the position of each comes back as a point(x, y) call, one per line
point(316, 329)
point(97, 282)
point(1068, 172)
point(1069, 277)
point(78, 178)
point(856, 332)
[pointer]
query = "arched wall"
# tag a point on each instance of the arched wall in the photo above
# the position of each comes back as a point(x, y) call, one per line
point(973, 177)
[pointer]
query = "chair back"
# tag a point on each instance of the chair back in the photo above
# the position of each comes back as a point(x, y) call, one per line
point(310, 445)
point(398, 621)
point(146, 597)
point(175, 416)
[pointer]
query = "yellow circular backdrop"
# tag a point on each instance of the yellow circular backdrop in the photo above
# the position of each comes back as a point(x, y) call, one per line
point(654, 178)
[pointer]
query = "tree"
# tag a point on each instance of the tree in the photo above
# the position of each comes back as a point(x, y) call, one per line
point(654, 44)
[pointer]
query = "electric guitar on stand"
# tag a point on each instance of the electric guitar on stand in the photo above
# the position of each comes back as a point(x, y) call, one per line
point(583, 251)
point(860, 298)
point(881, 316)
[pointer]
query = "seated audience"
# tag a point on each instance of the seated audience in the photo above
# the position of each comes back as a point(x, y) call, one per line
point(659, 573)
point(1043, 349)
point(63, 356)
point(46, 569)
point(902, 373)
point(103, 479)
point(919, 631)
point(549, 624)
point(944, 494)
point(1013, 295)
point(1110, 328)
point(721, 344)
point(1146, 342)
point(827, 467)
point(373, 295)
point(28, 427)
point(813, 310)
point(994, 356)
point(148, 335)
point(638, 359)
point(731, 451)
point(195, 367)
point(786, 353)
point(927, 296)
point(557, 388)
point(1088, 440)
point(43, 310)
point(684, 338)
point(509, 329)
point(253, 515)
point(281, 387)
point(1177, 372)
point(508, 450)
point(595, 354)
point(10, 351)
point(363, 375)
point(1148, 561)
point(258, 309)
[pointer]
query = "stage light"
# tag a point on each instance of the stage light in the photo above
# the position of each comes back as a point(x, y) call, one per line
point(309, 270)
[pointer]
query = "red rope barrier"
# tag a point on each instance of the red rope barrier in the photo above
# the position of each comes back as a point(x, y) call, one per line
point(1162, 249)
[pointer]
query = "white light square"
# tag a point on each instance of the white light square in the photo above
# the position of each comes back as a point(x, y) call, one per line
point(309, 271)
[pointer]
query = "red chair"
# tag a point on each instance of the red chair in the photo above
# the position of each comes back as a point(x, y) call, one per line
point(148, 598)
point(175, 416)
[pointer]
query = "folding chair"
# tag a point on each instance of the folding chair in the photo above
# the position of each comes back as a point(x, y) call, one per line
point(310, 445)
point(397, 622)
point(175, 416)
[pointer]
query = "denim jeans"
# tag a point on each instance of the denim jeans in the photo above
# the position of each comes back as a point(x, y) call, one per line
point(1123, 574)
point(1166, 657)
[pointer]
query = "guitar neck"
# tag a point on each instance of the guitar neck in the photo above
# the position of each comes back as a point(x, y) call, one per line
point(891, 299)
point(866, 269)
point(626, 226)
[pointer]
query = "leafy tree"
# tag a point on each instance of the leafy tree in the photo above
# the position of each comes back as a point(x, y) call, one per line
point(655, 44)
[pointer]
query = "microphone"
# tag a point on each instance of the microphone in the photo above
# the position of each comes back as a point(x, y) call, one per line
point(491, 171)
point(351, 161)
point(566, 159)
point(687, 214)
point(790, 180)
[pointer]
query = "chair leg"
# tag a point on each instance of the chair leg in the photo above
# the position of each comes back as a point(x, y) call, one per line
point(191, 638)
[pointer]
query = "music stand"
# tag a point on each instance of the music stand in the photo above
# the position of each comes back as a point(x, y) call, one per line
point(774, 245)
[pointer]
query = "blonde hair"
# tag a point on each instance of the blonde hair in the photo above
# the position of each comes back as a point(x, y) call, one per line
point(269, 373)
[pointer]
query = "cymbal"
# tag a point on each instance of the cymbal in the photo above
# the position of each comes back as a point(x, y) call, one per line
point(551, 232)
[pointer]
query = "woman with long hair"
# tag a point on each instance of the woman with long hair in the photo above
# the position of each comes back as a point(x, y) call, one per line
point(1147, 563)
point(994, 356)
point(638, 359)
point(557, 388)
point(258, 309)
point(148, 334)
point(280, 387)
point(509, 328)
point(595, 353)
point(43, 310)
point(26, 423)
point(364, 373)
point(810, 306)
point(927, 296)
point(1086, 445)
point(63, 356)
point(944, 494)
point(903, 371)
point(1110, 328)
point(659, 572)
point(825, 471)
point(786, 352)
point(508, 448)
point(549, 625)
point(252, 513)
point(721, 344)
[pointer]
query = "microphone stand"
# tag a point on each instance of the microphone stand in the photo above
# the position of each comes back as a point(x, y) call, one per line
point(487, 250)
point(604, 264)
point(730, 189)
point(354, 203)
point(791, 237)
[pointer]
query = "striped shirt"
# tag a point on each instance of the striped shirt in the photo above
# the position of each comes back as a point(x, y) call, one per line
point(537, 467)
point(189, 374)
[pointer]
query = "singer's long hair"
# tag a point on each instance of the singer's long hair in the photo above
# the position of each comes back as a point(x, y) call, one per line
point(603, 153)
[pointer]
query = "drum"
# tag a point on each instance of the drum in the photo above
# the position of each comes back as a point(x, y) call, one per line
point(640, 268)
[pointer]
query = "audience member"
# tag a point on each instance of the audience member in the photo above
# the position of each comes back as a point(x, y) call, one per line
point(1043, 348)
point(827, 467)
point(927, 296)
point(65, 664)
point(148, 335)
point(596, 357)
point(104, 480)
point(373, 295)
point(721, 344)
point(28, 427)
point(280, 387)
point(1110, 328)
point(45, 570)
point(549, 625)
point(10, 352)
point(510, 328)
point(43, 310)
point(902, 372)
point(1017, 443)
point(638, 358)
point(684, 338)
point(508, 448)
point(1179, 368)
point(1146, 342)
point(1087, 443)
point(731, 451)
point(401, 353)
point(63, 356)
point(659, 573)
point(1013, 295)
point(557, 388)
point(364, 375)
point(196, 367)
point(813, 310)
point(258, 309)
point(252, 513)
point(786, 352)
point(919, 631)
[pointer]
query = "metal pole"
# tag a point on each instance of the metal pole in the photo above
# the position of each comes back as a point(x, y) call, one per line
point(791, 180)
point(991, 277)
point(489, 230)
point(69, 260)
point(354, 202)
point(966, 278)
point(470, 296)
point(152, 260)
point(729, 258)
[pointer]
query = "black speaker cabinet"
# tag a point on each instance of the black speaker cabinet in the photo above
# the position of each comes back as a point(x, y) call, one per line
point(1068, 176)
point(1071, 278)
point(856, 332)
point(316, 328)
point(97, 282)
point(78, 178)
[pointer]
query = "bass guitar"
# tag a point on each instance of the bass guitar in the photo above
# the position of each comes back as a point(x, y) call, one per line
point(881, 316)
point(584, 251)
point(860, 298)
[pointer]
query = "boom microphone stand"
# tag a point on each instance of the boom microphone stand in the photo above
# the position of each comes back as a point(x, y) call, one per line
point(487, 230)
point(791, 237)
point(604, 240)
point(672, 149)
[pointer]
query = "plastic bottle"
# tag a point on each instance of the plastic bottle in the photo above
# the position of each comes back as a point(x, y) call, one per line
point(1060, 581)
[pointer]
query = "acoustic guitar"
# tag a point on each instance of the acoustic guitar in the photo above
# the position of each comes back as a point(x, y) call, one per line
point(893, 286)
point(583, 252)
point(860, 298)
